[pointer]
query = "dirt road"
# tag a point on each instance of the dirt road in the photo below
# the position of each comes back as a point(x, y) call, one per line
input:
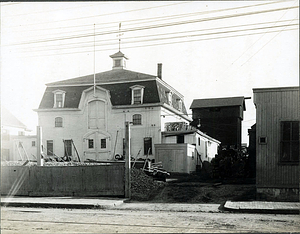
point(38, 220)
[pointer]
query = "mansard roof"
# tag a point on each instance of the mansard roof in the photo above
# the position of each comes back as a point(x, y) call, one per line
point(118, 83)
point(111, 76)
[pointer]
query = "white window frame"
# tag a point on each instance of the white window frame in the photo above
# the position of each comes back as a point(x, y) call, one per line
point(133, 120)
point(59, 92)
point(141, 89)
point(62, 122)
point(179, 102)
point(169, 97)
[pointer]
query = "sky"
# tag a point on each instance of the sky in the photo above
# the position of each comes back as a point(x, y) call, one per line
point(208, 49)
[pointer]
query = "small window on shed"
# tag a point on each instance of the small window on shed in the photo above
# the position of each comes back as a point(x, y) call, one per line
point(262, 140)
point(33, 143)
point(199, 141)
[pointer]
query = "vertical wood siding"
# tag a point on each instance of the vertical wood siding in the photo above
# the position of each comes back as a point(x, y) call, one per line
point(104, 180)
point(272, 107)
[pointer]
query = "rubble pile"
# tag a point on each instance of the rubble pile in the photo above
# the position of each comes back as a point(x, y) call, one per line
point(143, 187)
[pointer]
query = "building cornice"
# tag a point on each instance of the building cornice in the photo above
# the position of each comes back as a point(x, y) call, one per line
point(104, 83)
point(170, 87)
point(176, 112)
point(278, 89)
point(56, 109)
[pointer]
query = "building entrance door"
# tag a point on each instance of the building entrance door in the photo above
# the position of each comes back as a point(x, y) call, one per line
point(97, 146)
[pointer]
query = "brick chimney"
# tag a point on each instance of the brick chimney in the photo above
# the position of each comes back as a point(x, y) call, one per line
point(159, 70)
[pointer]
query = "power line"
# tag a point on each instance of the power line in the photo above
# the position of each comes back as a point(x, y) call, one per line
point(109, 14)
point(160, 44)
point(156, 26)
point(155, 35)
point(155, 19)
point(183, 36)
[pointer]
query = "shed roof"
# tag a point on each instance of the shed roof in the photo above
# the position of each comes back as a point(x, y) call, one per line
point(9, 120)
point(218, 102)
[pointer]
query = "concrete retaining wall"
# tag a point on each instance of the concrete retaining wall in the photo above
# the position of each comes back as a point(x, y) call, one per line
point(96, 180)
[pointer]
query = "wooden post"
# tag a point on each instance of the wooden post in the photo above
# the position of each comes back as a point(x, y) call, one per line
point(39, 146)
point(127, 161)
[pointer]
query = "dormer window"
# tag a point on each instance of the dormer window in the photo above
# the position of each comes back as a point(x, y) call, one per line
point(59, 99)
point(137, 94)
point(179, 103)
point(169, 97)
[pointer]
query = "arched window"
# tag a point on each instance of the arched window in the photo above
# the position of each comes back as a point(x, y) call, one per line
point(137, 94)
point(58, 122)
point(137, 119)
point(59, 98)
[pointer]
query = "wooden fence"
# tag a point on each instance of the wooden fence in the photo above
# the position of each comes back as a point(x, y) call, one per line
point(96, 180)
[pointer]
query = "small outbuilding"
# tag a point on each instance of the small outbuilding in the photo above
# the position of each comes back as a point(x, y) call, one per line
point(277, 138)
point(184, 148)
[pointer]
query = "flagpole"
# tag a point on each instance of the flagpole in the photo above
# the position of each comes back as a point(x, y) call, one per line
point(94, 62)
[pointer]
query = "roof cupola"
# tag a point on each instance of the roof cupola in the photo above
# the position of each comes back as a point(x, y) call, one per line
point(119, 60)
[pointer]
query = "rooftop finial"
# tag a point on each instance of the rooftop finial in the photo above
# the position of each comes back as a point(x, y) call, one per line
point(119, 35)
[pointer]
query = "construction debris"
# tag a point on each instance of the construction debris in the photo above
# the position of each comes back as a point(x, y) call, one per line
point(143, 187)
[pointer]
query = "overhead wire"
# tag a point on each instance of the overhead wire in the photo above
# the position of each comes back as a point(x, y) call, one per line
point(152, 19)
point(160, 44)
point(86, 43)
point(156, 26)
point(173, 37)
point(109, 14)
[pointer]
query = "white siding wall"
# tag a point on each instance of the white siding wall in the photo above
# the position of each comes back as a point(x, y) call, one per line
point(75, 127)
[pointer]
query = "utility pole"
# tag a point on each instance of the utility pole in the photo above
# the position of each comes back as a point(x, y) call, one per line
point(127, 161)
point(39, 146)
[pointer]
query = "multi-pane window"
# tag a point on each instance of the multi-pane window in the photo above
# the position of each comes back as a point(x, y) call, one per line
point(137, 93)
point(289, 141)
point(33, 143)
point(50, 147)
point(169, 97)
point(91, 143)
point(103, 143)
point(58, 122)
point(148, 145)
point(137, 119)
point(137, 96)
point(59, 98)
point(179, 102)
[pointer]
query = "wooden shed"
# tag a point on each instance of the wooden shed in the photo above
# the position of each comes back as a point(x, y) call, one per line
point(178, 158)
point(220, 118)
point(277, 136)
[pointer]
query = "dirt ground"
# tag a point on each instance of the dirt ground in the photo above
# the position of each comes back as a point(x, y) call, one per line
point(193, 189)
point(35, 220)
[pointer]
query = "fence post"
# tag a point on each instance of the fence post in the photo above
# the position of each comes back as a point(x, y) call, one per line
point(127, 161)
point(39, 146)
